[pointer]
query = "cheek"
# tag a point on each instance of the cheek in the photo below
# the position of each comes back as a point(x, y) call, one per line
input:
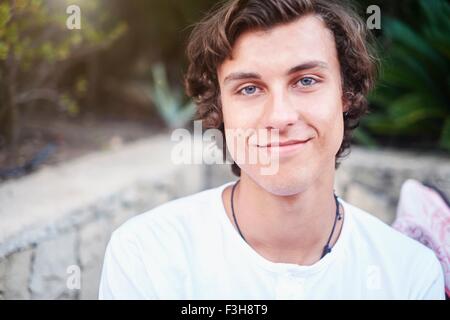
point(238, 116)
point(230, 116)
point(333, 133)
point(235, 124)
point(326, 118)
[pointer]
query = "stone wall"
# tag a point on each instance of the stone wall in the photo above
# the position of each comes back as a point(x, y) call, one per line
point(55, 224)
point(372, 179)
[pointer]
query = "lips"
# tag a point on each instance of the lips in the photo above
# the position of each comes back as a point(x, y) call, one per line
point(284, 143)
point(287, 148)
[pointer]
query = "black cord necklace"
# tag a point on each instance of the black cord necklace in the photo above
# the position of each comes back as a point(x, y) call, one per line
point(326, 248)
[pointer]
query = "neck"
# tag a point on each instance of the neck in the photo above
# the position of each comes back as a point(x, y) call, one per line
point(289, 229)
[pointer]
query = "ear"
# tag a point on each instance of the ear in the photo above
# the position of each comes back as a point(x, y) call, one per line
point(345, 105)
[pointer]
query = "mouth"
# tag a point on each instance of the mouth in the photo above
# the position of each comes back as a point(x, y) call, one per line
point(285, 148)
point(283, 144)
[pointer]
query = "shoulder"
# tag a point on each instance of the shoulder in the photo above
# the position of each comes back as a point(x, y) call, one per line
point(381, 235)
point(398, 255)
point(171, 222)
point(149, 255)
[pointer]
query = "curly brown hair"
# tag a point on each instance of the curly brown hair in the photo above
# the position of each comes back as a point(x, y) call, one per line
point(212, 40)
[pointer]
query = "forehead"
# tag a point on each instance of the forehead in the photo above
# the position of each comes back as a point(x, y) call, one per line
point(305, 39)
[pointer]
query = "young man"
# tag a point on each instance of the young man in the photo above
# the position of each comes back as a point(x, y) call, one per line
point(300, 68)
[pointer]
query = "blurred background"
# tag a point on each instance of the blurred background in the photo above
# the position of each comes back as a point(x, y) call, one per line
point(118, 80)
point(80, 90)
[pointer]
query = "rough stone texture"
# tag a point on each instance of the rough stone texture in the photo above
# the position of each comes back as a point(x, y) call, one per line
point(14, 273)
point(93, 240)
point(49, 193)
point(218, 174)
point(342, 180)
point(70, 220)
point(372, 202)
point(372, 179)
point(49, 270)
point(190, 179)
point(386, 170)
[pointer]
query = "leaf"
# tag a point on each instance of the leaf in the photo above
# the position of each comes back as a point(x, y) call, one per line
point(363, 137)
point(404, 35)
point(168, 101)
point(411, 108)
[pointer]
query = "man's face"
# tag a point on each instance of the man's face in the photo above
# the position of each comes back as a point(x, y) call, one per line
point(287, 79)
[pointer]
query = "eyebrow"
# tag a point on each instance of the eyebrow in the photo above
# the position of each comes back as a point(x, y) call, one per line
point(252, 75)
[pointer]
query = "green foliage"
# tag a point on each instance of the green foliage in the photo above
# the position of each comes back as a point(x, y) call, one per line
point(412, 99)
point(169, 102)
point(36, 32)
point(37, 47)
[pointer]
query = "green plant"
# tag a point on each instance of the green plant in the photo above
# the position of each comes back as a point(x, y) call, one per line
point(168, 101)
point(37, 48)
point(412, 99)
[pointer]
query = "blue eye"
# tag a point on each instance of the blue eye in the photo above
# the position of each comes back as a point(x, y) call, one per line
point(248, 90)
point(307, 81)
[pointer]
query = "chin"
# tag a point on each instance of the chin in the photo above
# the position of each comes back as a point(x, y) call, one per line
point(286, 182)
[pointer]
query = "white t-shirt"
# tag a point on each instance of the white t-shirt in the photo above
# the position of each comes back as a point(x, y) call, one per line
point(189, 249)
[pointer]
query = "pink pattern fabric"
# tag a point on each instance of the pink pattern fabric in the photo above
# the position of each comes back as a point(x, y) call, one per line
point(423, 215)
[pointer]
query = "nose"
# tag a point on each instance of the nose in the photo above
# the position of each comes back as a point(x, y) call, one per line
point(279, 112)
